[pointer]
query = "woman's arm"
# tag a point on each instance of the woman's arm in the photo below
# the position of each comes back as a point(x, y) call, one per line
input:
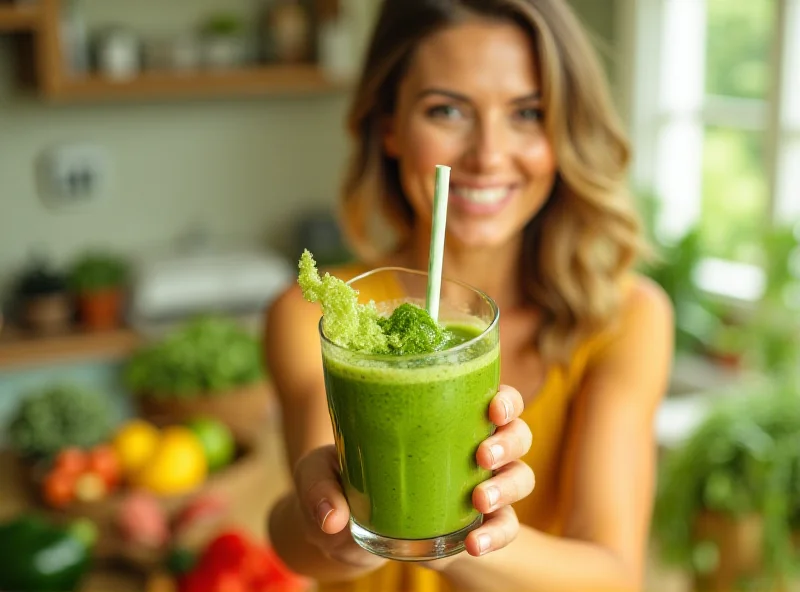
point(293, 355)
point(611, 478)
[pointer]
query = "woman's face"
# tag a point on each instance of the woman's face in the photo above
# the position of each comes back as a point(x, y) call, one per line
point(471, 100)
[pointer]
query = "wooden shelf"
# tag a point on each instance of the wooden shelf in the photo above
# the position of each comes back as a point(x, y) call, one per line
point(254, 81)
point(19, 17)
point(20, 349)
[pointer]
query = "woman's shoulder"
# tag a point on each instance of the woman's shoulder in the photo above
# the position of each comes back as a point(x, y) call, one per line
point(644, 307)
point(291, 302)
point(644, 297)
point(643, 302)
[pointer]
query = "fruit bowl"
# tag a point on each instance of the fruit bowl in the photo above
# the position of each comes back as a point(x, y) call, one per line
point(189, 518)
point(244, 410)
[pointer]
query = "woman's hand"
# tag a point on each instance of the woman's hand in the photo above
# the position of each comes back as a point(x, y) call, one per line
point(512, 481)
point(325, 510)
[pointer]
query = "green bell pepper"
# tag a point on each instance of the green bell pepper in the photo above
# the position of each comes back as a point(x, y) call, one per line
point(39, 556)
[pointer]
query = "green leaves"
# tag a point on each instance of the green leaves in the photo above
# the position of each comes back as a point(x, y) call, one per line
point(743, 459)
point(97, 270)
point(57, 417)
point(206, 356)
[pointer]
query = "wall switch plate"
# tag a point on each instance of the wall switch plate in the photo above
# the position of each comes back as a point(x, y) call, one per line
point(73, 175)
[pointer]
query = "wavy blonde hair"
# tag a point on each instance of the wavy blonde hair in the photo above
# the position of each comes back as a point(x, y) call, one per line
point(586, 237)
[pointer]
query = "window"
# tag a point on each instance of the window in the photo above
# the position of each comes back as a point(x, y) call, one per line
point(716, 123)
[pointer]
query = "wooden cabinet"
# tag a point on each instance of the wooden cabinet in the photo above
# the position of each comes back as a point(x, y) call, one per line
point(19, 17)
point(41, 22)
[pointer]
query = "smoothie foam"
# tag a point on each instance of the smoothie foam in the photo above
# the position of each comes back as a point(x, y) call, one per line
point(360, 327)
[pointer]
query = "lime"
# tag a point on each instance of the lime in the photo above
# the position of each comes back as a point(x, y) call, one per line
point(216, 439)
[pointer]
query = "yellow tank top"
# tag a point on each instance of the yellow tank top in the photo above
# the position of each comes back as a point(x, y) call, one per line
point(544, 509)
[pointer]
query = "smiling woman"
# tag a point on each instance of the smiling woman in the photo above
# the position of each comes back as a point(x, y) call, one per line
point(509, 95)
point(545, 139)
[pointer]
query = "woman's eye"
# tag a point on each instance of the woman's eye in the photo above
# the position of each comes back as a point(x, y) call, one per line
point(444, 112)
point(529, 114)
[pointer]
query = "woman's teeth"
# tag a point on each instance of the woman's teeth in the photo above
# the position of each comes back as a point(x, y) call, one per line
point(482, 196)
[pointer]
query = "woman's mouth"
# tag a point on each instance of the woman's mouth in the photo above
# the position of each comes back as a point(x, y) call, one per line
point(483, 200)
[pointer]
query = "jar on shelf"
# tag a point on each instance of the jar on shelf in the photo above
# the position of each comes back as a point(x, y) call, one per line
point(286, 32)
point(118, 53)
point(336, 54)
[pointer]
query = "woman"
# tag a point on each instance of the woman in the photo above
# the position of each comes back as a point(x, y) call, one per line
point(508, 94)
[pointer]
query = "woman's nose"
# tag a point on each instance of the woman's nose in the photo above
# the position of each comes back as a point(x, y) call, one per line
point(488, 147)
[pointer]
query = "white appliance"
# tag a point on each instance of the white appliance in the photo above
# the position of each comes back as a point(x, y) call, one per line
point(170, 289)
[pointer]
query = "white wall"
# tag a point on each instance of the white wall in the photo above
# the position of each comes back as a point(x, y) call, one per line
point(242, 168)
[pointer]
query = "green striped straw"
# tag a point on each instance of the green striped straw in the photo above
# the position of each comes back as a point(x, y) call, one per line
point(437, 240)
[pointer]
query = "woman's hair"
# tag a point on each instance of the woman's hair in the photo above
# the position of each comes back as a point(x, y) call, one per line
point(586, 237)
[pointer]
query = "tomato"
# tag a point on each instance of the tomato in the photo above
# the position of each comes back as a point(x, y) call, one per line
point(71, 461)
point(104, 462)
point(59, 489)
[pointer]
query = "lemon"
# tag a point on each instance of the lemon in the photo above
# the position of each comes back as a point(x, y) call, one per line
point(177, 465)
point(134, 443)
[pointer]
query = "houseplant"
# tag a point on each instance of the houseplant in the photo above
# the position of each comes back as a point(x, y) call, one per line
point(98, 280)
point(43, 298)
point(210, 366)
point(223, 41)
point(728, 501)
point(673, 267)
point(758, 336)
point(774, 331)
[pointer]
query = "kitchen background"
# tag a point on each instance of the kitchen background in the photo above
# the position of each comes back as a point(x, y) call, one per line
point(203, 169)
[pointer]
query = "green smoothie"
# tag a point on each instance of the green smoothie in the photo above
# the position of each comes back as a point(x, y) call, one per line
point(407, 438)
point(408, 398)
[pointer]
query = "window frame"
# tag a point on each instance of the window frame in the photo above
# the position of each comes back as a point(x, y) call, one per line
point(641, 26)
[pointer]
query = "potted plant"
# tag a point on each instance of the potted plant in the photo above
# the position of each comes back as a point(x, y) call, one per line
point(774, 331)
point(725, 338)
point(673, 266)
point(727, 505)
point(43, 297)
point(210, 366)
point(98, 281)
point(223, 41)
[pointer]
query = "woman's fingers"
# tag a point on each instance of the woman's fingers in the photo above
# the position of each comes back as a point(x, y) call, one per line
point(316, 479)
point(509, 442)
point(505, 406)
point(325, 508)
point(498, 530)
point(512, 483)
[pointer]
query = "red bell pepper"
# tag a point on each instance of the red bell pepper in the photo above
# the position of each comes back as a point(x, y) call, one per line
point(232, 562)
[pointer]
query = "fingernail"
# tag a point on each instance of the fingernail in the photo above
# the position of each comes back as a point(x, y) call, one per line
point(324, 510)
point(497, 453)
point(508, 407)
point(484, 542)
point(493, 493)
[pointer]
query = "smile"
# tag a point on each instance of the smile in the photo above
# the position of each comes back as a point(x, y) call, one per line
point(480, 200)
